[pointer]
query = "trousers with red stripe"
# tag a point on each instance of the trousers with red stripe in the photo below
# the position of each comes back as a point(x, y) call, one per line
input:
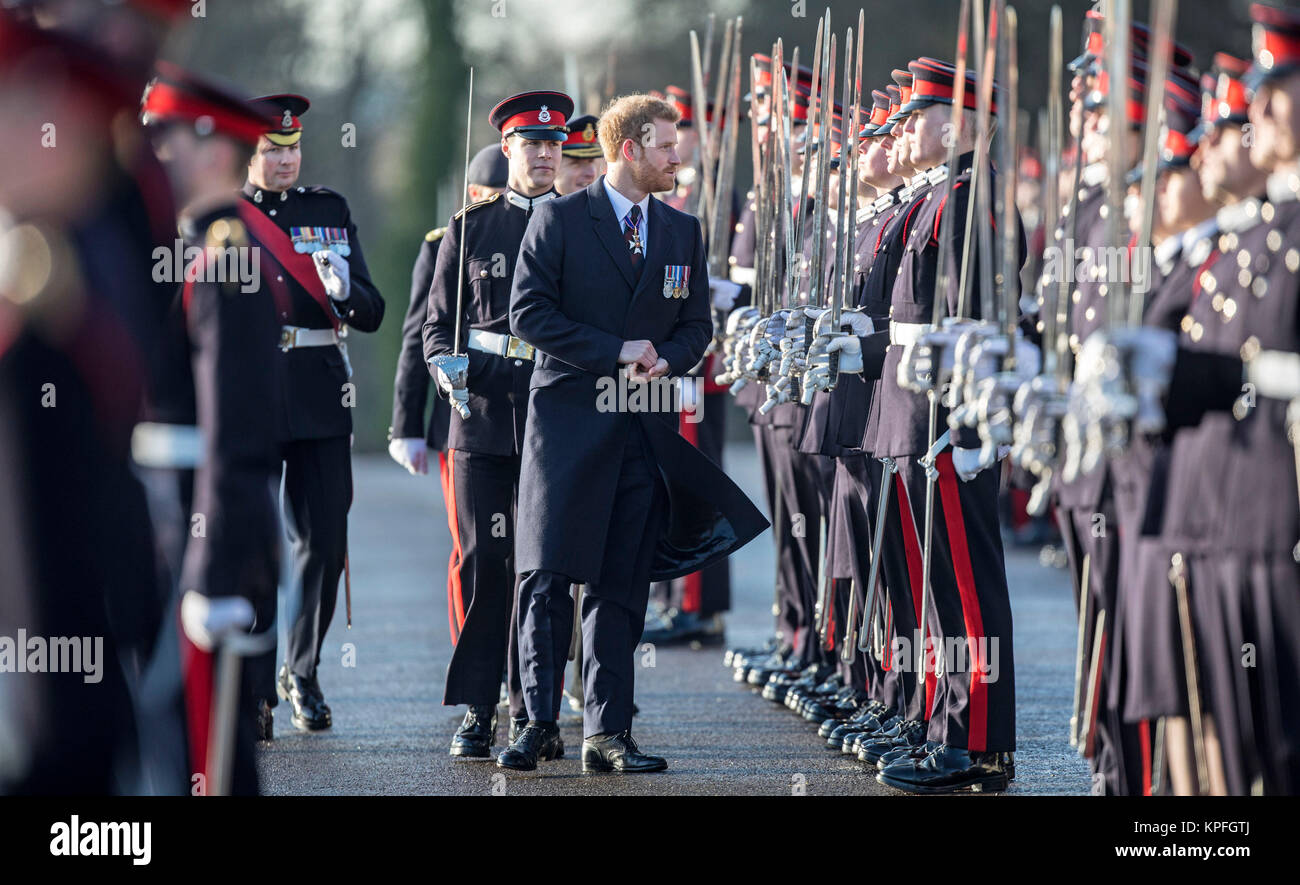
point(974, 692)
point(482, 578)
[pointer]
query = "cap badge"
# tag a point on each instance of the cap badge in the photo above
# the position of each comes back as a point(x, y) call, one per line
point(544, 116)
point(589, 133)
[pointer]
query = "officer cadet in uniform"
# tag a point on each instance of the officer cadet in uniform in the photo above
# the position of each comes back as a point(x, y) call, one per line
point(610, 277)
point(1230, 534)
point(971, 720)
point(890, 156)
point(310, 234)
point(220, 357)
point(1086, 509)
point(410, 439)
point(1145, 630)
point(798, 482)
point(485, 446)
point(581, 162)
point(836, 424)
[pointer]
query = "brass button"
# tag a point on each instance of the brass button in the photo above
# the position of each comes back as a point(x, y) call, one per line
point(1292, 260)
point(1274, 240)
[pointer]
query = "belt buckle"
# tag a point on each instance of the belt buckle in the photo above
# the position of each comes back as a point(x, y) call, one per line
point(288, 338)
point(518, 348)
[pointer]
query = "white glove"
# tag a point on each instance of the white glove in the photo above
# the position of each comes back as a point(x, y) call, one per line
point(857, 323)
point(850, 350)
point(334, 272)
point(206, 620)
point(413, 454)
point(969, 462)
point(723, 293)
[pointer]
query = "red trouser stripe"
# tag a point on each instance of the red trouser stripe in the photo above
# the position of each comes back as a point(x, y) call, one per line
point(912, 546)
point(1144, 735)
point(196, 676)
point(970, 603)
point(455, 592)
point(693, 584)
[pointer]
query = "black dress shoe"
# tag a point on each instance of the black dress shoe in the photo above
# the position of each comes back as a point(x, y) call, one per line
point(916, 753)
point(265, 720)
point(477, 732)
point(303, 694)
point(910, 734)
point(517, 725)
point(949, 770)
point(538, 742)
point(618, 752)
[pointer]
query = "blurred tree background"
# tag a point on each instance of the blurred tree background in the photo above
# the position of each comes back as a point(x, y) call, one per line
point(396, 71)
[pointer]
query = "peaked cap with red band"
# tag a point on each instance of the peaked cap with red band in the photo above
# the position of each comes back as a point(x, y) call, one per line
point(1276, 44)
point(903, 81)
point(35, 52)
point(1223, 95)
point(933, 83)
point(582, 141)
point(879, 114)
point(1135, 106)
point(1094, 44)
point(763, 77)
point(286, 107)
point(538, 116)
point(178, 96)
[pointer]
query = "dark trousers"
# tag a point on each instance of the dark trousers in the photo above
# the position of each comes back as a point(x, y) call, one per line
point(803, 483)
point(900, 566)
point(975, 697)
point(707, 592)
point(317, 496)
point(613, 608)
point(1117, 753)
point(484, 489)
point(854, 494)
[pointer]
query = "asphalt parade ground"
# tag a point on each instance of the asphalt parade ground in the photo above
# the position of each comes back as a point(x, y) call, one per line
point(383, 680)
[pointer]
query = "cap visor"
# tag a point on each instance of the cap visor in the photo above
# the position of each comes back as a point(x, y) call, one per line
point(540, 133)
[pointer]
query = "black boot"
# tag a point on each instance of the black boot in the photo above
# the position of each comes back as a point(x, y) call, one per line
point(477, 732)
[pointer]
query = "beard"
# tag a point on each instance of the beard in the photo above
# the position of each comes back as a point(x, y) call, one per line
point(652, 180)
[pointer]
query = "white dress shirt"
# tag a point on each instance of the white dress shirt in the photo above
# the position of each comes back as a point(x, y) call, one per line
point(622, 205)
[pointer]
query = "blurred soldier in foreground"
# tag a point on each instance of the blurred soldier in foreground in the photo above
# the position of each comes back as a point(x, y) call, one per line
point(221, 364)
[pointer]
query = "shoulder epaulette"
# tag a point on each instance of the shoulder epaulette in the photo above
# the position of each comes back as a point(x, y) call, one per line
point(480, 203)
point(319, 189)
point(435, 235)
